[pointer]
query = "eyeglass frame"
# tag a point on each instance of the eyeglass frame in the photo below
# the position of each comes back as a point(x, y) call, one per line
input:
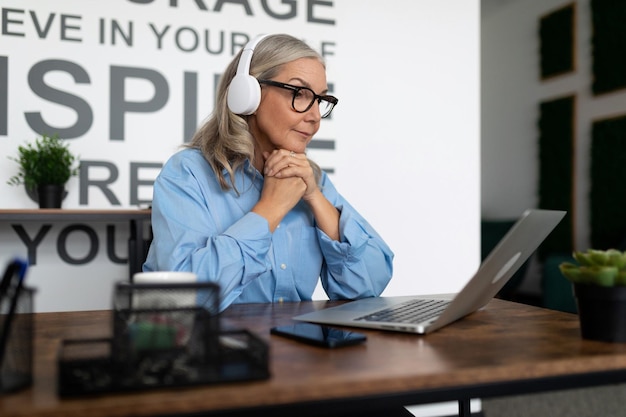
point(296, 88)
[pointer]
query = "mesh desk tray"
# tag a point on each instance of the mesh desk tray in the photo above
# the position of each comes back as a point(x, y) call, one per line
point(86, 367)
point(164, 335)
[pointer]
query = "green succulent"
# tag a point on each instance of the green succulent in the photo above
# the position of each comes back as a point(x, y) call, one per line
point(46, 161)
point(597, 267)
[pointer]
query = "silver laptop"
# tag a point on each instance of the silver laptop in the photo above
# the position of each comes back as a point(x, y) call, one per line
point(425, 314)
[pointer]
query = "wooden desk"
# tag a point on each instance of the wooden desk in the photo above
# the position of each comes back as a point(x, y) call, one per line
point(135, 217)
point(505, 349)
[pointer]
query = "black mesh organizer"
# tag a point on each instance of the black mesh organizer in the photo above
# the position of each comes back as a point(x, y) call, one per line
point(16, 357)
point(164, 335)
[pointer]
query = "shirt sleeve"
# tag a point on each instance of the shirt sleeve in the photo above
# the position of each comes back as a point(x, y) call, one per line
point(188, 235)
point(361, 264)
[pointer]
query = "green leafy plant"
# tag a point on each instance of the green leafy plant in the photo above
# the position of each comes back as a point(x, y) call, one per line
point(605, 268)
point(46, 161)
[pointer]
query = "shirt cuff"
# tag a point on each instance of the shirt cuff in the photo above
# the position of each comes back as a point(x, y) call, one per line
point(250, 227)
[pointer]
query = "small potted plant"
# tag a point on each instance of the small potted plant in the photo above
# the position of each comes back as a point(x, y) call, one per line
point(599, 284)
point(45, 166)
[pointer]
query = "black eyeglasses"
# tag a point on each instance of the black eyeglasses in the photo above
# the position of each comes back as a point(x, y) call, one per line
point(304, 98)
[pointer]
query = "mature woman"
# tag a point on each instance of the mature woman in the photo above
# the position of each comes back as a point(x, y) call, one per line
point(243, 206)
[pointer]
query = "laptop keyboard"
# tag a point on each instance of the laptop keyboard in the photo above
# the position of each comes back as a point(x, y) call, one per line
point(413, 311)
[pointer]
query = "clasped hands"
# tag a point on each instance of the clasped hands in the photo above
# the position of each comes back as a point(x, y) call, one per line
point(289, 178)
point(292, 169)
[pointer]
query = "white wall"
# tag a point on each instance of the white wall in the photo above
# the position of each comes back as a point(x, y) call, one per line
point(409, 153)
point(406, 129)
point(511, 91)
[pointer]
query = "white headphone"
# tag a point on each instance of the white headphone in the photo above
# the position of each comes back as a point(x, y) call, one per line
point(244, 91)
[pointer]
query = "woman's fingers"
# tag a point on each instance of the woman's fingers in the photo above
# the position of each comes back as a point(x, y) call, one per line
point(280, 159)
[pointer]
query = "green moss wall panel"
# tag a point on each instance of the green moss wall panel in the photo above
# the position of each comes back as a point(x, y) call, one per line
point(608, 180)
point(608, 43)
point(556, 169)
point(556, 42)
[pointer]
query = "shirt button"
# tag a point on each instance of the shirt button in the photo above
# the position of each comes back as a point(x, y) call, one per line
point(278, 226)
point(283, 266)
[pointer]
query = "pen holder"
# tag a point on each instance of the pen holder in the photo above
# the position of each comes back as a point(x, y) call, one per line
point(164, 323)
point(16, 362)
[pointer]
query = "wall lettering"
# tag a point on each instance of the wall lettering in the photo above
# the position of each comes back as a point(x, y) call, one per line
point(64, 249)
point(280, 10)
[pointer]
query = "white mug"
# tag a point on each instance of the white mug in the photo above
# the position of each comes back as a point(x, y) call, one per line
point(170, 277)
point(165, 299)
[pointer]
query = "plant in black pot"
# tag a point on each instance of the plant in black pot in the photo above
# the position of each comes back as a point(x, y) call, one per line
point(599, 284)
point(45, 166)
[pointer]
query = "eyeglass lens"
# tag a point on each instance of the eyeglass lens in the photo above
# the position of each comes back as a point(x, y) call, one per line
point(303, 99)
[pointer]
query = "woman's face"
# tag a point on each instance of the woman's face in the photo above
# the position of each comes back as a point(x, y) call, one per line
point(275, 124)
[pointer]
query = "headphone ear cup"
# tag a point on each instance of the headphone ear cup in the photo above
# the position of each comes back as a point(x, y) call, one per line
point(244, 94)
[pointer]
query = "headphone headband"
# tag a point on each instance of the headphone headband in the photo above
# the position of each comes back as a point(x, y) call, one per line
point(244, 91)
point(246, 55)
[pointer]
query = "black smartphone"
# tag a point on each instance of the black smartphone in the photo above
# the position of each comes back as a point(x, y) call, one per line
point(319, 335)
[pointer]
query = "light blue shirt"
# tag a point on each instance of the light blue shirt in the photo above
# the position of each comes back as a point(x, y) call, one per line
point(201, 228)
